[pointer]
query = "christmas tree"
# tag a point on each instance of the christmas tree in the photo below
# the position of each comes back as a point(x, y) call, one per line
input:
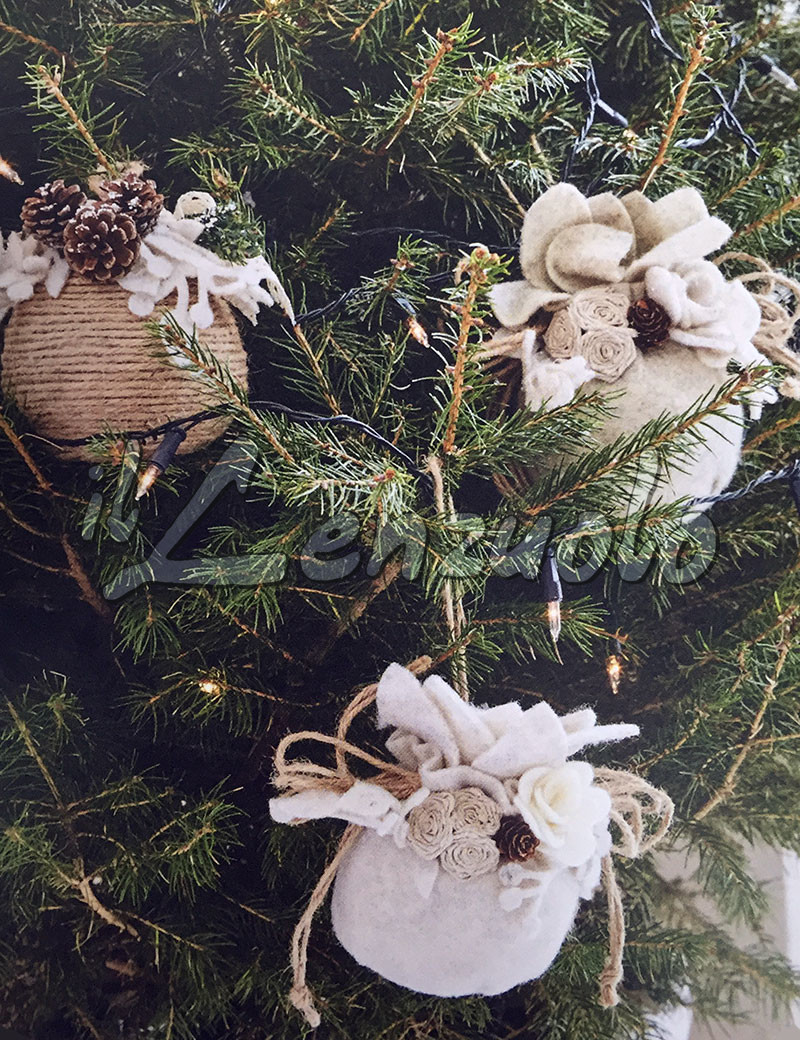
point(379, 496)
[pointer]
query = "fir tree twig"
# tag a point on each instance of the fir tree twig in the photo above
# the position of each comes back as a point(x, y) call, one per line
point(52, 87)
point(36, 42)
point(696, 59)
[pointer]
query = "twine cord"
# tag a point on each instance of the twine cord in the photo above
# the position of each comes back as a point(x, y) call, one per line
point(640, 812)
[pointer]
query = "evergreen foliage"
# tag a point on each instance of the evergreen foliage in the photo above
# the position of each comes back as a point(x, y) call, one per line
point(370, 147)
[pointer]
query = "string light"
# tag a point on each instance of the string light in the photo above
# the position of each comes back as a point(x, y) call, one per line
point(417, 331)
point(8, 171)
point(552, 593)
point(210, 687)
point(614, 672)
point(160, 460)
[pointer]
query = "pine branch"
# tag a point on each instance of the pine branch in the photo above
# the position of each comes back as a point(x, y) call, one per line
point(36, 42)
point(696, 59)
point(51, 84)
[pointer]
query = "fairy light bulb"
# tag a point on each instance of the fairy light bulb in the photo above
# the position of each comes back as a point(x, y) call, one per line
point(552, 593)
point(8, 171)
point(160, 459)
point(614, 672)
point(417, 331)
point(210, 687)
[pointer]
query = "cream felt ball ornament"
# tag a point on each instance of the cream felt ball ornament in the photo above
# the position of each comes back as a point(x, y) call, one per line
point(619, 298)
point(469, 850)
point(83, 282)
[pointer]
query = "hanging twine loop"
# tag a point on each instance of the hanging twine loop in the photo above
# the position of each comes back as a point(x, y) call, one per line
point(777, 322)
point(640, 813)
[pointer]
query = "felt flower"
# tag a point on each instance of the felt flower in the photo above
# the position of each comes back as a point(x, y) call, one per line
point(608, 351)
point(475, 812)
point(571, 243)
point(430, 825)
point(562, 336)
point(563, 808)
point(470, 855)
point(597, 308)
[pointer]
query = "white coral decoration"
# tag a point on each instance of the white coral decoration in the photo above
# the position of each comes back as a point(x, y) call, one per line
point(454, 745)
point(170, 257)
point(24, 264)
point(631, 245)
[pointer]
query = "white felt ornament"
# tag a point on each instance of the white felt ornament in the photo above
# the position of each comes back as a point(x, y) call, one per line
point(586, 261)
point(426, 893)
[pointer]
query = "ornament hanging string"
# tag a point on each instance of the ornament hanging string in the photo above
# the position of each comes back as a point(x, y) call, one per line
point(640, 812)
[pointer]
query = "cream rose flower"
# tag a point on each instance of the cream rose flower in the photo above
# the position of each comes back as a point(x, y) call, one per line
point(470, 855)
point(430, 825)
point(475, 812)
point(563, 807)
point(609, 351)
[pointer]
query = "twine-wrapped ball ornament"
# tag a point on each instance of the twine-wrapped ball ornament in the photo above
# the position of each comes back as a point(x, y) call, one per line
point(618, 297)
point(468, 853)
point(80, 359)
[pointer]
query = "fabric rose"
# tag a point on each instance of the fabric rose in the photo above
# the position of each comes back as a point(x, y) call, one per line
point(562, 336)
point(563, 807)
point(475, 812)
point(515, 840)
point(596, 308)
point(430, 825)
point(609, 351)
point(470, 855)
point(570, 242)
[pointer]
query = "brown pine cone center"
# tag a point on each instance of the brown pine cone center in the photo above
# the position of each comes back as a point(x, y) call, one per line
point(650, 321)
point(515, 840)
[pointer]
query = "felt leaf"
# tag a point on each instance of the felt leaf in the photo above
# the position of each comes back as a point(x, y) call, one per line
point(515, 303)
point(692, 243)
point(403, 703)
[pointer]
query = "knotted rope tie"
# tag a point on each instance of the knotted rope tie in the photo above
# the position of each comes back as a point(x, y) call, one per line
point(634, 805)
point(641, 813)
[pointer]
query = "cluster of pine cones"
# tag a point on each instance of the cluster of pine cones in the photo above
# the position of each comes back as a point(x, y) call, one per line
point(99, 238)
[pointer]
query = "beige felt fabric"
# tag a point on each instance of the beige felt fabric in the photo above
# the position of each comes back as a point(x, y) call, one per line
point(454, 942)
point(82, 363)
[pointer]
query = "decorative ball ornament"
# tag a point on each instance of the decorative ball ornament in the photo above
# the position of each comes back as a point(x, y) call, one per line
point(82, 364)
point(79, 360)
point(618, 297)
point(468, 853)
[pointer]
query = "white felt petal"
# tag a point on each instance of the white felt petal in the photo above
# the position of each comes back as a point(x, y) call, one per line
point(466, 724)
point(601, 735)
point(678, 210)
point(514, 303)
point(608, 209)
point(403, 703)
point(667, 289)
point(453, 778)
point(539, 740)
point(581, 256)
point(559, 207)
point(57, 277)
point(692, 243)
point(743, 313)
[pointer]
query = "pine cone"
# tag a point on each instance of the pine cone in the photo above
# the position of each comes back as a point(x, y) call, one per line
point(650, 321)
point(100, 242)
point(47, 212)
point(515, 840)
point(136, 197)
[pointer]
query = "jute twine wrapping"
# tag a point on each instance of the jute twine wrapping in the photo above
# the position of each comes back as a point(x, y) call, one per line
point(641, 813)
point(82, 364)
point(501, 356)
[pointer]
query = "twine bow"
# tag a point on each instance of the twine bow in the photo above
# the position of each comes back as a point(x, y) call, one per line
point(640, 812)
